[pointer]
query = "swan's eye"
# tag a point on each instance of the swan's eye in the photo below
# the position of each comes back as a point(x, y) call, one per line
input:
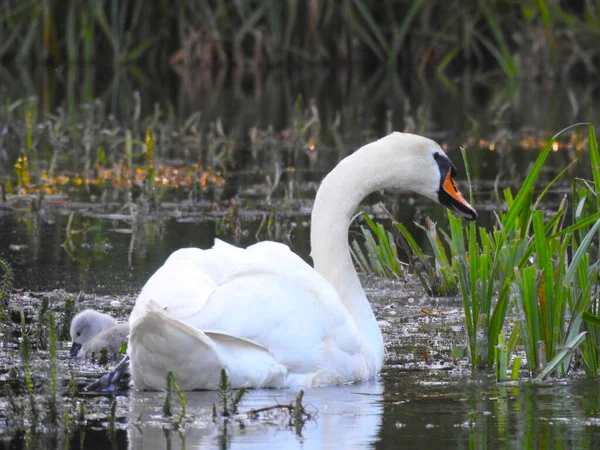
point(78, 333)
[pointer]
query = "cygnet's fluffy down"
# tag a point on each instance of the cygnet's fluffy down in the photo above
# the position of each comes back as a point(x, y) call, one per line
point(91, 331)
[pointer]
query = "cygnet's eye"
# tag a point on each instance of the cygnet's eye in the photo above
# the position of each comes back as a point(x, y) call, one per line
point(78, 333)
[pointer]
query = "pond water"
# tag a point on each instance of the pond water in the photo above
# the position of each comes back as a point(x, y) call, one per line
point(414, 404)
point(406, 410)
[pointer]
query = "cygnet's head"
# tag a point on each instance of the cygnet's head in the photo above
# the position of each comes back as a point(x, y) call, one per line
point(85, 326)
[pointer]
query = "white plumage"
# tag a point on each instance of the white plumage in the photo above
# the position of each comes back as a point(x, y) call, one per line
point(264, 314)
point(92, 331)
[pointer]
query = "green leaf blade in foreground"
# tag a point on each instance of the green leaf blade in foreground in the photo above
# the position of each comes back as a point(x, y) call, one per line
point(546, 294)
point(587, 240)
point(591, 318)
point(411, 241)
point(530, 328)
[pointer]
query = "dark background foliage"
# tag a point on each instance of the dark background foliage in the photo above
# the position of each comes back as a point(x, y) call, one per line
point(525, 38)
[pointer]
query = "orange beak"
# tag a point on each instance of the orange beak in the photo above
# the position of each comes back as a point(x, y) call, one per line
point(457, 201)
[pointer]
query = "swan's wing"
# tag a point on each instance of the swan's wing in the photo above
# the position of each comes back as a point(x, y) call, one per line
point(283, 304)
point(186, 279)
point(265, 294)
point(190, 275)
point(160, 343)
point(248, 363)
point(181, 286)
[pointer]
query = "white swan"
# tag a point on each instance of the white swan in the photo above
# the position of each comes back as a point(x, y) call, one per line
point(262, 313)
point(91, 331)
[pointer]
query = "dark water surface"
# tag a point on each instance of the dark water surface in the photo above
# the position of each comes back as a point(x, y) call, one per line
point(117, 256)
point(415, 410)
point(412, 405)
point(433, 409)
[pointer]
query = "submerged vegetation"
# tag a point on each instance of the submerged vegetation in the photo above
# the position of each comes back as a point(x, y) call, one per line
point(6, 284)
point(534, 275)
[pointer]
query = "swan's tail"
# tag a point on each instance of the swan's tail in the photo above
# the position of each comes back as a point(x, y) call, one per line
point(159, 344)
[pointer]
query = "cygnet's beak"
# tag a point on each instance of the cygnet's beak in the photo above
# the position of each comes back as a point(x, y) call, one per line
point(452, 199)
point(74, 350)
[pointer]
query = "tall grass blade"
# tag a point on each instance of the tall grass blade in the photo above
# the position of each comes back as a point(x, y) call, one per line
point(581, 251)
point(561, 355)
point(403, 31)
point(592, 319)
point(374, 27)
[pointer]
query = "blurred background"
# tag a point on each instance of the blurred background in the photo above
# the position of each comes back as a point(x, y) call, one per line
point(185, 54)
point(520, 38)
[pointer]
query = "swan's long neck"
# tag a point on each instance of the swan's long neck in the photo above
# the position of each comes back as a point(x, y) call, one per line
point(338, 197)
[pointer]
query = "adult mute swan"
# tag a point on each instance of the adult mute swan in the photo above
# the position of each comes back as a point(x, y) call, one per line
point(91, 331)
point(264, 314)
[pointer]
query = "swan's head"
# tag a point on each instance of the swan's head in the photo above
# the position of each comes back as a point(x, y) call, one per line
point(85, 326)
point(430, 171)
point(447, 193)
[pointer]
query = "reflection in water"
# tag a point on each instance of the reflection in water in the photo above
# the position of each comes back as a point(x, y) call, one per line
point(450, 411)
point(349, 417)
point(416, 409)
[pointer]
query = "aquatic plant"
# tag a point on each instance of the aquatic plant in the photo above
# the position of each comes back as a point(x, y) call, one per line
point(529, 261)
point(6, 284)
point(436, 274)
point(73, 392)
point(52, 401)
point(14, 407)
point(167, 408)
point(229, 400)
point(40, 333)
point(90, 153)
point(66, 317)
point(526, 261)
point(149, 180)
point(298, 414)
point(380, 255)
point(112, 415)
point(536, 265)
point(25, 356)
point(103, 357)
